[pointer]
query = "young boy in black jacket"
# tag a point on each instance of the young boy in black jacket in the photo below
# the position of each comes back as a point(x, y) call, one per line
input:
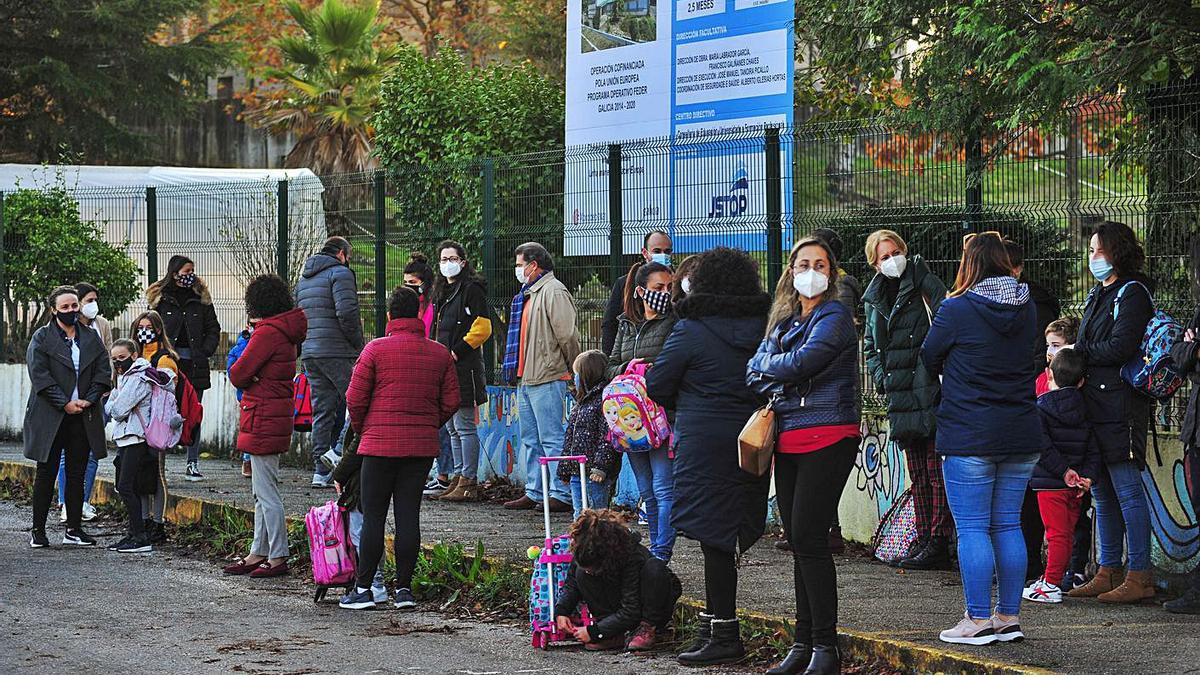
point(1066, 470)
point(625, 588)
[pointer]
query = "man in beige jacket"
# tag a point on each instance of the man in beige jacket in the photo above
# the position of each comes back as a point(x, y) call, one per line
point(549, 343)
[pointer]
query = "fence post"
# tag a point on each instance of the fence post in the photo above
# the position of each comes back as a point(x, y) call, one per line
point(151, 235)
point(3, 281)
point(773, 156)
point(616, 235)
point(490, 263)
point(380, 253)
point(974, 180)
point(281, 241)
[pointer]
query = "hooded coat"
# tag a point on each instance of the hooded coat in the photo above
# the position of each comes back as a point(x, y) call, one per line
point(892, 341)
point(328, 294)
point(701, 374)
point(1072, 442)
point(982, 343)
point(265, 375)
point(191, 322)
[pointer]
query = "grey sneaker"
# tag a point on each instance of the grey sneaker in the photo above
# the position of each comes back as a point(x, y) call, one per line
point(322, 480)
point(404, 599)
point(967, 632)
point(1007, 631)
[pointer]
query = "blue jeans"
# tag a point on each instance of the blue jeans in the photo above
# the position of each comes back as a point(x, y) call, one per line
point(356, 522)
point(656, 482)
point(89, 478)
point(598, 495)
point(1122, 514)
point(464, 443)
point(985, 495)
point(445, 458)
point(541, 411)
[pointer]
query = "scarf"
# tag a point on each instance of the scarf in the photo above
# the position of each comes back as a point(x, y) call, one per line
point(512, 344)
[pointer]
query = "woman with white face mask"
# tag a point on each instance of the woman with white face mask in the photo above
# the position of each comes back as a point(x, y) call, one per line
point(899, 304)
point(808, 364)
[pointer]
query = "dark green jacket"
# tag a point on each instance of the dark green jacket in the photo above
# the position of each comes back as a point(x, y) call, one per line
point(892, 343)
point(638, 341)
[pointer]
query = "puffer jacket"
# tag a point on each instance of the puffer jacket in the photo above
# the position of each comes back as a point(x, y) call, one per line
point(190, 311)
point(587, 434)
point(403, 390)
point(1184, 355)
point(1120, 415)
point(892, 344)
point(811, 365)
point(638, 341)
point(129, 404)
point(328, 294)
point(1072, 441)
point(264, 373)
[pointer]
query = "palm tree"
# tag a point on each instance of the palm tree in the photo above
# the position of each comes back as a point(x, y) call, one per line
point(330, 84)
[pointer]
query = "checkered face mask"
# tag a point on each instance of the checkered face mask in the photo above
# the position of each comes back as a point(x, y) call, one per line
point(146, 335)
point(659, 301)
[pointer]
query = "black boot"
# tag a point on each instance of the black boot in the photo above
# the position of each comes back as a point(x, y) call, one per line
point(703, 633)
point(914, 550)
point(725, 646)
point(935, 556)
point(1188, 603)
point(795, 662)
point(825, 661)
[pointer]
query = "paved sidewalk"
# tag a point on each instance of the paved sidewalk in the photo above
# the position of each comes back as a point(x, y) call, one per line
point(1075, 637)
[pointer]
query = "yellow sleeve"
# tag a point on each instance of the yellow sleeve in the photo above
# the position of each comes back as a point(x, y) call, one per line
point(480, 331)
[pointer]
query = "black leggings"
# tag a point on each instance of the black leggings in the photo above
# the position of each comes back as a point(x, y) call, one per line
point(401, 481)
point(132, 459)
point(720, 581)
point(808, 487)
point(72, 439)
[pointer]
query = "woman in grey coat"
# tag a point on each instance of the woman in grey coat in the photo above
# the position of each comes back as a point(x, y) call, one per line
point(70, 374)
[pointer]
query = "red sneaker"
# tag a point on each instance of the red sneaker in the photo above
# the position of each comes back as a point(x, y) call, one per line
point(644, 638)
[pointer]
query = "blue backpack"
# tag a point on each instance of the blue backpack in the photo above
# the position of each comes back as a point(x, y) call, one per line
point(1153, 372)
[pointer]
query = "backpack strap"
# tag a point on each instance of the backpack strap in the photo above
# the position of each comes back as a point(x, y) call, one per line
point(1121, 293)
point(158, 356)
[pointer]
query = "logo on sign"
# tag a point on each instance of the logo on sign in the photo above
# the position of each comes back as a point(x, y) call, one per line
point(736, 202)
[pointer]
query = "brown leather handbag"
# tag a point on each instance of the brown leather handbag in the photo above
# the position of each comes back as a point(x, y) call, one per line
point(756, 442)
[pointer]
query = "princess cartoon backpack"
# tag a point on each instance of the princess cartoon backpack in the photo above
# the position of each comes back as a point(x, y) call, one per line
point(635, 423)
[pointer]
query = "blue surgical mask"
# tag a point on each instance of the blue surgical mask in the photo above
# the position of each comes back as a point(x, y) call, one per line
point(661, 258)
point(1101, 268)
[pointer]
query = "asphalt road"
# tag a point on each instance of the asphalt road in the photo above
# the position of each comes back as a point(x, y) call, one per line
point(90, 610)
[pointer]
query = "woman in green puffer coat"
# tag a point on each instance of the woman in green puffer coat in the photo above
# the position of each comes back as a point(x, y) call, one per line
point(899, 303)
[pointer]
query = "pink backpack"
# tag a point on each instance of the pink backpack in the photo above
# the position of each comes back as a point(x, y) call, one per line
point(165, 426)
point(635, 423)
point(329, 545)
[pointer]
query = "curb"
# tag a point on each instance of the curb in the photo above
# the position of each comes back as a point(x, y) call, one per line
point(909, 657)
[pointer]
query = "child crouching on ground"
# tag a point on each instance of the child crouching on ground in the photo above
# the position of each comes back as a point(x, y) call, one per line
point(1066, 469)
point(625, 588)
point(587, 434)
point(345, 481)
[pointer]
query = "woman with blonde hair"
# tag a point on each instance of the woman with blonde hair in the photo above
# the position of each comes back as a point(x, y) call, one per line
point(899, 304)
point(990, 434)
point(808, 365)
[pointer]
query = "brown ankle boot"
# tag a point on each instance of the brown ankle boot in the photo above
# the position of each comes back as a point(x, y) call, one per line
point(454, 481)
point(1138, 586)
point(467, 490)
point(1106, 579)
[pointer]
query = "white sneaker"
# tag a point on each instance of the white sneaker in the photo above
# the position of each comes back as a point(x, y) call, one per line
point(89, 511)
point(62, 516)
point(967, 632)
point(1042, 591)
point(330, 459)
point(322, 480)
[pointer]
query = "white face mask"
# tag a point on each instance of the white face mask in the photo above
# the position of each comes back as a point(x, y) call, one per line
point(521, 275)
point(810, 283)
point(450, 269)
point(894, 266)
point(90, 310)
point(686, 285)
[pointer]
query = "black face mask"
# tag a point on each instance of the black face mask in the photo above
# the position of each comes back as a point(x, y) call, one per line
point(122, 365)
point(67, 318)
point(415, 288)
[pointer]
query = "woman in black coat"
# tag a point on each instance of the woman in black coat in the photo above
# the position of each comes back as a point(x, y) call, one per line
point(701, 374)
point(1114, 320)
point(1185, 355)
point(461, 322)
point(183, 300)
point(70, 373)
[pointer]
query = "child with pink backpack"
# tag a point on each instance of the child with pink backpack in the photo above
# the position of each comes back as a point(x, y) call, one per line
point(587, 435)
point(146, 421)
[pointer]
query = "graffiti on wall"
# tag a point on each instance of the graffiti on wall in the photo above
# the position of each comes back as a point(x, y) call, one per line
point(879, 468)
point(1172, 513)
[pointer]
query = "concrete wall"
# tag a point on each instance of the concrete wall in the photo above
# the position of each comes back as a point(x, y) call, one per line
point(878, 478)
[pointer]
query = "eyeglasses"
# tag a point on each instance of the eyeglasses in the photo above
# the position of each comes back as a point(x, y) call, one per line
point(455, 259)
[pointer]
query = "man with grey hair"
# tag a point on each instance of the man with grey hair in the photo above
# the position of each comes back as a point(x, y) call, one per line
point(542, 344)
point(328, 294)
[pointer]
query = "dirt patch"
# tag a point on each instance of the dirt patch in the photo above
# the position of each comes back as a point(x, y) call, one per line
point(270, 646)
point(396, 627)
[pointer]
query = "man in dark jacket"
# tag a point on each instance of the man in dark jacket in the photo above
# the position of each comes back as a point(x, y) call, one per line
point(328, 294)
point(656, 247)
point(1185, 355)
point(1043, 301)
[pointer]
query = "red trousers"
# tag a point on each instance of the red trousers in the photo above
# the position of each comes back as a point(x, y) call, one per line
point(1060, 511)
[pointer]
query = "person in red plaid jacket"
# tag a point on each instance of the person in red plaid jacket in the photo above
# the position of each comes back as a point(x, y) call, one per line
point(404, 388)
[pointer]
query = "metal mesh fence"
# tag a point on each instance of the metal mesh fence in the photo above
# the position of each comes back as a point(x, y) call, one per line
point(1044, 188)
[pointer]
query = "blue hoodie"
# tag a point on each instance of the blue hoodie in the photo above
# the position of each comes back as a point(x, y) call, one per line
point(981, 343)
